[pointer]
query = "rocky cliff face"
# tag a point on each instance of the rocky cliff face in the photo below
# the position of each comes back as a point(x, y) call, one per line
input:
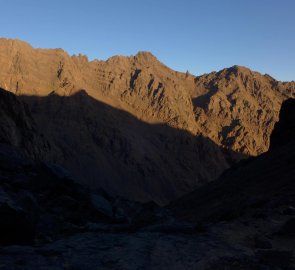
point(240, 107)
point(139, 84)
point(139, 128)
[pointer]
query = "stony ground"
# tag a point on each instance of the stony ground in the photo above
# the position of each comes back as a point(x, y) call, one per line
point(234, 245)
point(142, 250)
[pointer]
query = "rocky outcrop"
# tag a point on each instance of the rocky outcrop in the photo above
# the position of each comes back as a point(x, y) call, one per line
point(239, 108)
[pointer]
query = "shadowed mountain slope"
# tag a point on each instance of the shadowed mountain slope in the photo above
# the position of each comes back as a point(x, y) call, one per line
point(266, 182)
point(18, 129)
point(106, 147)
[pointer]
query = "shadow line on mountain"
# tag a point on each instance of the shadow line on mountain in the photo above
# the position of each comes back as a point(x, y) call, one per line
point(107, 147)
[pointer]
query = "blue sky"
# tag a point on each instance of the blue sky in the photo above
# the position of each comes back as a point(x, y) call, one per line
point(199, 36)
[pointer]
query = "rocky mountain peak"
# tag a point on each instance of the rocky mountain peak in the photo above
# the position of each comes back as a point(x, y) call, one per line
point(145, 57)
point(239, 69)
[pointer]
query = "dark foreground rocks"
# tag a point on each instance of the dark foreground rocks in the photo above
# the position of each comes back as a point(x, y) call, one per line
point(244, 220)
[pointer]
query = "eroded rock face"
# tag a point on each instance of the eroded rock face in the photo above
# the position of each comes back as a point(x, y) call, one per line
point(140, 129)
point(235, 107)
point(139, 84)
point(239, 108)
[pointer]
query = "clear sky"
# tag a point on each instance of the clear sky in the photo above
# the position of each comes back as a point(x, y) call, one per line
point(195, 35)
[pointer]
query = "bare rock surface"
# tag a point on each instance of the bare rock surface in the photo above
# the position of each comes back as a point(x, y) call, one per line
point(165, 132)
point(239, 107)
point(235, 107)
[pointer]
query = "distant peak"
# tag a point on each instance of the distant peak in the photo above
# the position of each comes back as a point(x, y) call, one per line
point(80, 57)
point(144, 56)
point(15, 42)
point(239, 69)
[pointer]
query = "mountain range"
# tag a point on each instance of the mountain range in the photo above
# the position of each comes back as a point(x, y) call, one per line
point(127, 164)
point(135, 127)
